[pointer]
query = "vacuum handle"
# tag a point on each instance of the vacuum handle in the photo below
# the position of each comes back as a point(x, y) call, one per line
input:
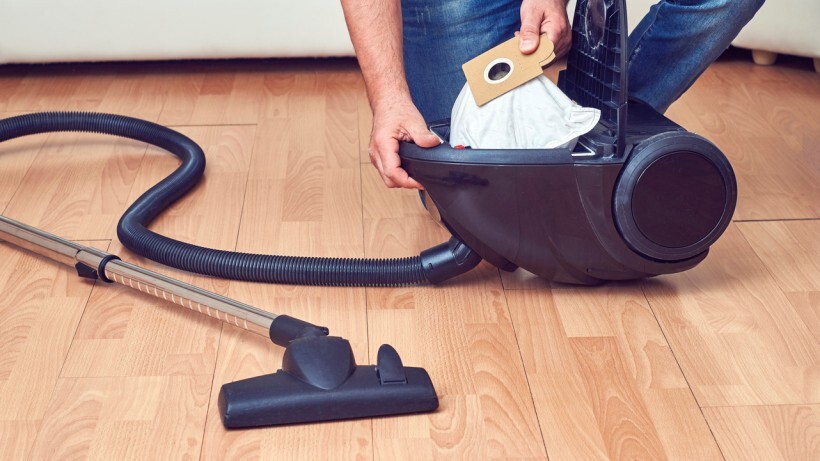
point(95, 264)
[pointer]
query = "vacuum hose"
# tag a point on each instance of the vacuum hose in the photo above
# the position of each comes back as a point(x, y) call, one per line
point(433, 265)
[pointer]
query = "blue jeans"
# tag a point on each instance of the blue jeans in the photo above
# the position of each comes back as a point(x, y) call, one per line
point(670, 48)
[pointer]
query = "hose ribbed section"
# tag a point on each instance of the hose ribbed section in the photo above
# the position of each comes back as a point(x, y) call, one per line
point(133, 232)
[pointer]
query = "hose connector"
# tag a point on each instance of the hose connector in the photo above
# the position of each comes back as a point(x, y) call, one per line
point(285, 329)
point(448, 260)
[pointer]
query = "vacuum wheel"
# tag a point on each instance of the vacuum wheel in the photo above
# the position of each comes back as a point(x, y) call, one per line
point(674, 197)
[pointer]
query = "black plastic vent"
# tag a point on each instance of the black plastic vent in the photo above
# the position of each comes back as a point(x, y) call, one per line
point(596, 74)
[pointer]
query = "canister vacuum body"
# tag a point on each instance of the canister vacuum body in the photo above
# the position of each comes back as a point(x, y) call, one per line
point(638, 196)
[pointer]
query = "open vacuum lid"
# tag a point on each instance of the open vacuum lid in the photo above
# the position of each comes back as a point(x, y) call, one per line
point(596, 74)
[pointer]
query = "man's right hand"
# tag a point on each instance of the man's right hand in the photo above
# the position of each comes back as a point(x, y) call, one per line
point(396, 121)
point(376, 31)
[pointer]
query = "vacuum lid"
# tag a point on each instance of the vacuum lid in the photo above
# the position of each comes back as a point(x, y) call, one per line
point(596, 73)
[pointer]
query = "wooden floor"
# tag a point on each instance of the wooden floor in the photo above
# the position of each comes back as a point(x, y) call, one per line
point(722, 362)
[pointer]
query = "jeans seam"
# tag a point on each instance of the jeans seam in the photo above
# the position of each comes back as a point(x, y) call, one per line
point(649, 29)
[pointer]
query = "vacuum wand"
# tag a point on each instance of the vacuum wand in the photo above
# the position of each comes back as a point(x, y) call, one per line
point(319, 379)
point(95, 264)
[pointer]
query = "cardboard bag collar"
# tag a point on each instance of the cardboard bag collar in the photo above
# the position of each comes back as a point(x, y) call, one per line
point(504, 68)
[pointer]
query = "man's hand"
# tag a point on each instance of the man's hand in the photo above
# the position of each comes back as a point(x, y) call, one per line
point(375, 29)
point(394, 122)
point(545, 16)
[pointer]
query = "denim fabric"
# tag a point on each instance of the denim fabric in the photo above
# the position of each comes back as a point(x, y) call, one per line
point(677, 40)
point(673, 44)
point(440, 36)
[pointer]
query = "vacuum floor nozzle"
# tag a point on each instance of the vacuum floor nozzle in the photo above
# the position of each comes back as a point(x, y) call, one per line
point(320, 381)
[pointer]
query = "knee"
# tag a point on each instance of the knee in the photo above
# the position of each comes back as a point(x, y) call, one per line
point(728, 14)
point(738, 13)
point(746, 8)
point(723, 8)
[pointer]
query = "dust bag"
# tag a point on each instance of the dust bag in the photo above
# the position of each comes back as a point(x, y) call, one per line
point(536, 115)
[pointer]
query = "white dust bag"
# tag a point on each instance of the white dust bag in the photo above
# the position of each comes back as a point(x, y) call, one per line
point(536, 115)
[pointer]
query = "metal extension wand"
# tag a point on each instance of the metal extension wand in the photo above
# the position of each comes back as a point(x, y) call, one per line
point(88, 261)
point(319, 379)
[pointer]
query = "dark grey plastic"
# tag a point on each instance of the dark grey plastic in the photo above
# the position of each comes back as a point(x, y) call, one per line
point(320, 381)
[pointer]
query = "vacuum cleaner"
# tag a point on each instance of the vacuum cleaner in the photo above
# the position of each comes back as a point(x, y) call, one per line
point(639, 196)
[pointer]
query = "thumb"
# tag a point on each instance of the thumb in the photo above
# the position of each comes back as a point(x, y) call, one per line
point(530, 31)
point(422, 136)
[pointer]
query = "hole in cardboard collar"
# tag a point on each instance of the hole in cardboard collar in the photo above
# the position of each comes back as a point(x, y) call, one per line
point(498, 70)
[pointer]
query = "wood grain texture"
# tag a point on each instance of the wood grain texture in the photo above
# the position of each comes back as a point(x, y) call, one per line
point(48, 89)
point(125, 89)
point(524, 369)
point(145, 417)
point(208, 94)
point(769, 433)
point(365, 120)
point(791, 252)
point(83, 191)
point(77, 185)
point(16, 157)
point(734, 332)
point(605, 382)
point(40, 308)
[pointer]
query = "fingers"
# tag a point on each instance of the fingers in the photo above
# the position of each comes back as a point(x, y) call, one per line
point(557, 29)
point(421, 135)
point(392, 124)
point(376, 160)
point(531, 18)
point(393, 173)
point(384, 154)
point(545, 16)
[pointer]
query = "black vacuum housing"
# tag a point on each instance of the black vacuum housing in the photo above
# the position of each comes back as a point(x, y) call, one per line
point(638, 196)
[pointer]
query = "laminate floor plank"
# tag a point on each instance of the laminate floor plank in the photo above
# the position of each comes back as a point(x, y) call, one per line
point(767, 433)
point(365, 122)
point(40, 308)
point(791, 252)
point(139, 417)
point(212, 95)
point(737, 337)
point(76, 185)
point(16, 157)
point(605, 382)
